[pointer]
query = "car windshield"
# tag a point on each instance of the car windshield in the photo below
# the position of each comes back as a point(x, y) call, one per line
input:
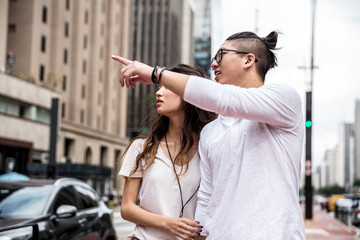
point(27, 201)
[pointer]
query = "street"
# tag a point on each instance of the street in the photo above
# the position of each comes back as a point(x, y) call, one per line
point(122, 227)
point(322, 226)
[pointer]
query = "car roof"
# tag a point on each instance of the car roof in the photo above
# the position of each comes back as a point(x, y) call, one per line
point(42, 182)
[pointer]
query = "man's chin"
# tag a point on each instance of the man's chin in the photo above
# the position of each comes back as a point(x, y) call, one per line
point(220, 80)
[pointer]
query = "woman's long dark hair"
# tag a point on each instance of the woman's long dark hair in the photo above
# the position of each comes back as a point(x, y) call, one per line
point(195, 120)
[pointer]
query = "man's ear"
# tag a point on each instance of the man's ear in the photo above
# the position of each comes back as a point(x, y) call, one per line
point(249, 60)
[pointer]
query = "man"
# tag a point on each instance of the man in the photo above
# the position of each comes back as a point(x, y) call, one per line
point(251, 155)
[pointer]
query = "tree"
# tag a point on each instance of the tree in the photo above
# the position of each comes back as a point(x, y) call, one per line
point(332, 189)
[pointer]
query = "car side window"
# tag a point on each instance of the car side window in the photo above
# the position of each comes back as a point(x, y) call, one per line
point(88, 198)
point(66, 196)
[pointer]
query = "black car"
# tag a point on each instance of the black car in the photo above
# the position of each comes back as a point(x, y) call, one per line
point(61, 209)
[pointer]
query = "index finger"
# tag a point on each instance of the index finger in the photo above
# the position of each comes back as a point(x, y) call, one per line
point(121, 60)
point(191, 222)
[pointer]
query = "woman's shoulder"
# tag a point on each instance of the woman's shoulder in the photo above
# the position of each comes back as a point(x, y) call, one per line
point(137, 144)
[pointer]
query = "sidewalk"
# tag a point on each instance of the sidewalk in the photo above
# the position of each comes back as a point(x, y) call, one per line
point(324, 225)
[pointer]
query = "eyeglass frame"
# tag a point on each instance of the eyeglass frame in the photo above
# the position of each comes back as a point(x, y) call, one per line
point(229, 50)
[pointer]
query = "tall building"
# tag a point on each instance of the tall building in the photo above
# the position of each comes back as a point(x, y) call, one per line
point(161, 34)
point(4, 6)
point(203, 35)
point(330, 171)
point(327, 169)
point(62, 49)
point(357, 139)
point(346, 156)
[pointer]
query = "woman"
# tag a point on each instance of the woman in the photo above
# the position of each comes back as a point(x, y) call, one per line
point(162, 169)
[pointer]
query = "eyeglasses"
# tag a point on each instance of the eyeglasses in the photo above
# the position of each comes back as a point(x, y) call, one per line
point(219, 55)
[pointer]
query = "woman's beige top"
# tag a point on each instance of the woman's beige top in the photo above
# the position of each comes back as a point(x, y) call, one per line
point(159, 192)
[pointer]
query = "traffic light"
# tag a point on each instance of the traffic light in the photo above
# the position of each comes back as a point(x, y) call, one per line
point(308, 181)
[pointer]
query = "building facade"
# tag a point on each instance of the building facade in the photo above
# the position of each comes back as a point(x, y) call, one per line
point(338, 167)
point(161, 33)
point(64, 46)
point(346, 155)
point(203, 35)
point(357, 139)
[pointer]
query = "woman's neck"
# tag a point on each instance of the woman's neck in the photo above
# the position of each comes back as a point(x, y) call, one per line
point(175, 125)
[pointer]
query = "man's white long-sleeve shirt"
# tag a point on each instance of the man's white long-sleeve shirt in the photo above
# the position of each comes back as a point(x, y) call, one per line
point(250, 161)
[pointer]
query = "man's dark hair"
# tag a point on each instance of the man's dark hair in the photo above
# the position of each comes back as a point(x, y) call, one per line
point(262, 48)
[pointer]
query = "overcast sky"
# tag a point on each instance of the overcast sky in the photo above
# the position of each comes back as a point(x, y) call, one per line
point(336, 82)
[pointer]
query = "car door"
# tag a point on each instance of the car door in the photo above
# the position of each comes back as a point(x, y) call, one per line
point(89, 212)
point(71, 226)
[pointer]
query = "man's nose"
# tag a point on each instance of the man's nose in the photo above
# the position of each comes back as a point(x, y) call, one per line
point(214, 64)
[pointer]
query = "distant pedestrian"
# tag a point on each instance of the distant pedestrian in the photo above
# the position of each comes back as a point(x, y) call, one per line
point(162, 169)
point(10, 61)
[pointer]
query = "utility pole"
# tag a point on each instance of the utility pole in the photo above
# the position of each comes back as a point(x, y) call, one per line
point(308, 125)
point(51, 168)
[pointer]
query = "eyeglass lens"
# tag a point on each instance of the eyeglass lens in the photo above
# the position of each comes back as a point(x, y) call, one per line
point(217, 57)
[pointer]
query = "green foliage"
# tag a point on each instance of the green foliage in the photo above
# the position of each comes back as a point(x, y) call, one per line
point(329, 190)
point(301, 191)
point(151, 99)
point(357, 182)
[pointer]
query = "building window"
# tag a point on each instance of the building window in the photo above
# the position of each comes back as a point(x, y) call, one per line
point(42, 73)
point(12, 28)
point(83, 91)
point(64, 83)
point(102, 29)
point(84, 66)
point(88, 156)
point(66, 29)
point(102, 52)
point(65, 56)
point(67, 5)
point(43, 43)
point(99, 98)
point(86, 17)
point(103, 155)
point(100, 75)
point(82, 116)
point(44, 14)
point(98, 119)
point(63, 108)
point(24, 110)
point(85, 41)
point(103, 7)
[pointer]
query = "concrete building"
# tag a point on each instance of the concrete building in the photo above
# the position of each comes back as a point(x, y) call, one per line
point(202, 35)
point(4, 6)
point(161, 34)
point(330, 171)
point(345, 156)
point(25, 118)
point(327, 169)
point(357, 139)
point(62, 49)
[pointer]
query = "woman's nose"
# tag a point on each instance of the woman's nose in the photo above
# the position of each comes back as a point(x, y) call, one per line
point(158, 93)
